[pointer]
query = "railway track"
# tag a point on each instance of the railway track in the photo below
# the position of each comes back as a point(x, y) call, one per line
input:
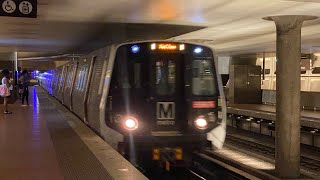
point(185, 174)
point(205, 165)
point(307, 163)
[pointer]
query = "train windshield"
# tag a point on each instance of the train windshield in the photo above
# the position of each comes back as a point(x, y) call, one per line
point(165, 77)
point(203, 81)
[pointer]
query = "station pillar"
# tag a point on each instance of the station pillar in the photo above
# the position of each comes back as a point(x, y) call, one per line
point(16, 69)
point(287, 160)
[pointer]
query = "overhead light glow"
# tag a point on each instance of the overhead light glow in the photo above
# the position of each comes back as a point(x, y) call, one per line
point(198, 50)
point(135, 49)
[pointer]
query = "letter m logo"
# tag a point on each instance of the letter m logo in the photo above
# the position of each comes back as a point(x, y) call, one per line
point(165, 110)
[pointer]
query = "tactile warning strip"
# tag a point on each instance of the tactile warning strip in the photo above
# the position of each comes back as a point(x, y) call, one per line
point(76, 161)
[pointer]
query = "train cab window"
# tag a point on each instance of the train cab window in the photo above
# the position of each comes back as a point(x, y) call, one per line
point(123, 76)
point(137, 75)
point(165, 77)
point(130, 77)
point(203, 82)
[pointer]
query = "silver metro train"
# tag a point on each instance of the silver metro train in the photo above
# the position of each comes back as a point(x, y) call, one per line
point(150, 100)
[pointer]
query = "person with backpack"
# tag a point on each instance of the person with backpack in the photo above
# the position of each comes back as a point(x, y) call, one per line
point(24, 84)
point(5, 90)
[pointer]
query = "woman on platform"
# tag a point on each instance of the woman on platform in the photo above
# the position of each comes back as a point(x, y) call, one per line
point(7, 83)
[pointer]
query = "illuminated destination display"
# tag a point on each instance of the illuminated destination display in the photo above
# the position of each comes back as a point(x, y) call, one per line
point(167, 46)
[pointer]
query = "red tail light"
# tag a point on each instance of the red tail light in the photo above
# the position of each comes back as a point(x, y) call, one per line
point(203, 104)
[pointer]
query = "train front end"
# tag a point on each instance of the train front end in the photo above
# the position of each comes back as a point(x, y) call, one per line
point(166, 99)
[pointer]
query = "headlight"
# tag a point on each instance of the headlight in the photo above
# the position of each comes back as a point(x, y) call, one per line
point(130, 123)
point(201, 123)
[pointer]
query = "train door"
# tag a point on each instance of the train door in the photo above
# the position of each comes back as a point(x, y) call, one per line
point(167, 94)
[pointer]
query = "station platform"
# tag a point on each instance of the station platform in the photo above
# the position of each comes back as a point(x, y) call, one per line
point(45, 141)
point(309, 118)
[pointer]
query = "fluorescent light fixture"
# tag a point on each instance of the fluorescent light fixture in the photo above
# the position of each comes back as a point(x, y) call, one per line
point(181, 47)
point(153, 46)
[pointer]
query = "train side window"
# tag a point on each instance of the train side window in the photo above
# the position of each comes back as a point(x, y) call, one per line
point(79, 79)
point(70, 75)
point(56, 79)
point(203, 82)
point(69, 67)
point(63, 71)
point(103, 76)
point(84, 77)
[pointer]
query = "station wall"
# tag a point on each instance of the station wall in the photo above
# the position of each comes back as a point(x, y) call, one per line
point(310, 69)
point(40, 65)
point(310, 72)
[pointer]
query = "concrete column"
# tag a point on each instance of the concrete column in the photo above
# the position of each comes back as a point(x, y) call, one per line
point(16, 70)
point(15, 59)
point(288, 94)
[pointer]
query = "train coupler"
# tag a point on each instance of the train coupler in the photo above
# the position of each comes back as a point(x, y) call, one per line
point(169, 158)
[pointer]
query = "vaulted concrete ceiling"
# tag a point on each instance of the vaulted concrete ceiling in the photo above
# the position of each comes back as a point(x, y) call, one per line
point(231, 26)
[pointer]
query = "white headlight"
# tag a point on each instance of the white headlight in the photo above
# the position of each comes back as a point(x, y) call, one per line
point(131, 123)
point(201, 123)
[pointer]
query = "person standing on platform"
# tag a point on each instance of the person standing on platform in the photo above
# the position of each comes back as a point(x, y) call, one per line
point(20, 91)
point(5, 90)
point(25, 80)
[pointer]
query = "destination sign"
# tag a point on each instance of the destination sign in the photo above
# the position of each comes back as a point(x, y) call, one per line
point(167, 46)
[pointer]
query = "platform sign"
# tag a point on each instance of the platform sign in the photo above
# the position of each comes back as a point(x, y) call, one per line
point(19, 8)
